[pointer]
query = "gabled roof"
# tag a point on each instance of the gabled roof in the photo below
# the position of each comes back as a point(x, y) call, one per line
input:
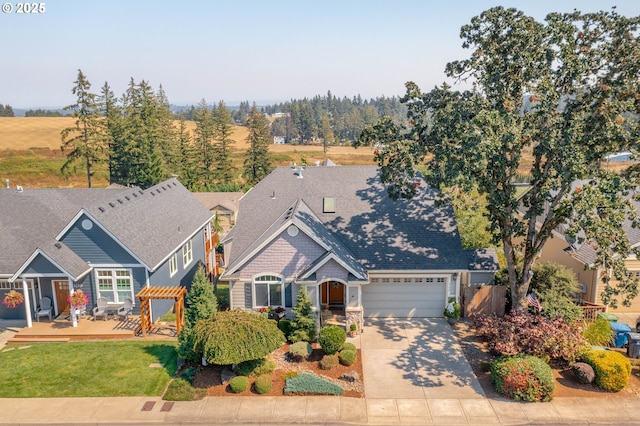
point(211, 200)
point(379, 233)
point(151, 223)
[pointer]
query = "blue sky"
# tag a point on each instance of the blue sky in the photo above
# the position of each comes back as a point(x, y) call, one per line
point(255, 50)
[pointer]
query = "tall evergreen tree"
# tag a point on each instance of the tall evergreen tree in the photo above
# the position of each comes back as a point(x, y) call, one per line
point(223, 129)
point(203, 139)
point(201, 304)
point(85, 142)
point(187, 167)
point(256, 163)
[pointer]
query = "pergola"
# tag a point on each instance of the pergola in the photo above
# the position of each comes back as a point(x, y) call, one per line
point(160, 293)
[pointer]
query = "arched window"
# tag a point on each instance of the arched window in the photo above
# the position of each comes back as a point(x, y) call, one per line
point(268, 291)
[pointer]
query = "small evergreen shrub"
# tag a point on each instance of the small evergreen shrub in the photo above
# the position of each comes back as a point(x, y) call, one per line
point(239, 384)
point(189, 373)
point(523, 377)
point(347, 357)
point(599, 332)
point(181, 390)
point(309, 384)
point(285, 326)
point(331, 338)
point(298, 336)
point(348, 346)
point(300, 351)
point(612, 369)
point(329, 361)
point(255, 367)
point(263, 384)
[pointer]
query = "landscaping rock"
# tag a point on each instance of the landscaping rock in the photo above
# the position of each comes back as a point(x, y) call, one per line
point(351, 376)
point(227, 375)
point(583, 373)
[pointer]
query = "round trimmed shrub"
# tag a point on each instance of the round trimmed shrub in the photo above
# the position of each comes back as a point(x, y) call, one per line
point(329, 361)
point(255, 367)
point(285, 326)
point(523, 378)
point(348, 346)
point(263, 384)
point(347, 357)
point(331, 339)
point(239, 384)
point(299, 351)
point(612, 369)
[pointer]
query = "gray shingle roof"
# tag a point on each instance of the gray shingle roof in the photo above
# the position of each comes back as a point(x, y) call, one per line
point(485, 259)
point(380, 233)
point(151, 223)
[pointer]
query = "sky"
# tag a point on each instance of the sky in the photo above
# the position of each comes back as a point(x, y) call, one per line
point(262, 51)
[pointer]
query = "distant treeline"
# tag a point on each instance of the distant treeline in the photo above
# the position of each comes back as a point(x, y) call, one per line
point(6, 111)
point(44, 113)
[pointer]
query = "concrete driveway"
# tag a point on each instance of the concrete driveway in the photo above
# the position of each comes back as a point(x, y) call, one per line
point(415, 358)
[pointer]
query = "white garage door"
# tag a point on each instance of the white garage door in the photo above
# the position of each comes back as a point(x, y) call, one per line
point(404, 298)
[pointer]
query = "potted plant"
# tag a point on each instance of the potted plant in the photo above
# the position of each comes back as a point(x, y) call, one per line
point(452, 310)
point(352, 330)
point(277, 313)
point(13, 299)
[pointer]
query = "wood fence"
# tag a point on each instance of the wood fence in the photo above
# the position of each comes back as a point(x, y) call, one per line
point(484, 300)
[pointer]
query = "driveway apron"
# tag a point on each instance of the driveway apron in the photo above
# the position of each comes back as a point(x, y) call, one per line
point(415, 358)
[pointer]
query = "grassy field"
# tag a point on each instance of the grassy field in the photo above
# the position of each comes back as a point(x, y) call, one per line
point(30, 153)
point(90, 369)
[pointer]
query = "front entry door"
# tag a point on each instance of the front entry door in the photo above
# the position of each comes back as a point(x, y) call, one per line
point(332, 293)
point(62, 293)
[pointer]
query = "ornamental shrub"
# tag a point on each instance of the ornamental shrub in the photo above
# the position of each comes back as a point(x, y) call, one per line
point(309, 384)
point(329, 361)
point(304, 319)
point(523, 377)
point(255, 367)
point(612, 369)
point(263, 384)
point(599, 332)
point(331, 338)
point(239, 384)
point(298, 336)
point(554, 285)
point(285, 326)
point(300, 351)
point(232, 337)
point(181, 390)
point(347, 357)
point(348, 346)
point(554, 340)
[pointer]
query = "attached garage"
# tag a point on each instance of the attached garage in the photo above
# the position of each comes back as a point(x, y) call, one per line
point(404, 297)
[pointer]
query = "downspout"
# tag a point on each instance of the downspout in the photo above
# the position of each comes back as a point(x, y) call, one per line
point(27, 303)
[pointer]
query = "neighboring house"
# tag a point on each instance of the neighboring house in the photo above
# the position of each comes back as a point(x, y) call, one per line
point(109, 242)
point(224, 208)
point(335, 231)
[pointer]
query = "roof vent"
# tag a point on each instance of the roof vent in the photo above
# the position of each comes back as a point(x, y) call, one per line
point(120, 201)
point(111, 204)
point(127, 197)
point(58, 245)
point(101, 209)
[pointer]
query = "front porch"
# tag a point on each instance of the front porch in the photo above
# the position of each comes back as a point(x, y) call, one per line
point(61, 330)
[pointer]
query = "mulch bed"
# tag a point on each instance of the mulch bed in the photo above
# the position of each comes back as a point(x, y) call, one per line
point(209, 377)
point(479, 357)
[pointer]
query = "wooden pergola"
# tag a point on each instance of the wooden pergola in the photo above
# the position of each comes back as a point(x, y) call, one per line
point(160, 293)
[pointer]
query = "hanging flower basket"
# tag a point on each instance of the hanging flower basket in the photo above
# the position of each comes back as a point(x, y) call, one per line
point(78, 299)
point(13, 299)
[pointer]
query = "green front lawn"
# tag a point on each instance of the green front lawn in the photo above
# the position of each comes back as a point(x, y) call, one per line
point(77, 369)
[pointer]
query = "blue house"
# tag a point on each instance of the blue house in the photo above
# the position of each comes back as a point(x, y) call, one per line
point(109, 242)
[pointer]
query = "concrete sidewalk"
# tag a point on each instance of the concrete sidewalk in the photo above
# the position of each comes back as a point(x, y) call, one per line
point(317, 410)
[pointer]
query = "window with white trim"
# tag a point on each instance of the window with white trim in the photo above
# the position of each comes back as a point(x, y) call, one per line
point(268, 291)
point(115, 284)
point(187, 253)
point(173, 264)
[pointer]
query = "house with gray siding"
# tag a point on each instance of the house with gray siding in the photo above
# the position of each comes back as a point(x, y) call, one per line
point(335, 231)
point(109, 242)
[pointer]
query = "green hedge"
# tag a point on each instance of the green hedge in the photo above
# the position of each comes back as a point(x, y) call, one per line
point(612, 369)
point(308, 384)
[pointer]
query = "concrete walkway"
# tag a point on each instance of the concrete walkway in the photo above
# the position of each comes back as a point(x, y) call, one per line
point(415, 373)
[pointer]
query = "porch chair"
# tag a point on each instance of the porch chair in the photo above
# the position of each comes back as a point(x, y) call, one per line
point(45, 309)
point(100, 309)
point(126, 309)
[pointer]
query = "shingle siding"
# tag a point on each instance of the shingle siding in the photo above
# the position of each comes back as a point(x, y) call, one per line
point(330, 271)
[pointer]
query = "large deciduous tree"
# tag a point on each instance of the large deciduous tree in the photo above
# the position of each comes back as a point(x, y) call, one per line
point(86, 142)
point(550, 99)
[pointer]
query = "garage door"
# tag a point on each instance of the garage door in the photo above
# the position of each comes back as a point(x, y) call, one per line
point(404, 298)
